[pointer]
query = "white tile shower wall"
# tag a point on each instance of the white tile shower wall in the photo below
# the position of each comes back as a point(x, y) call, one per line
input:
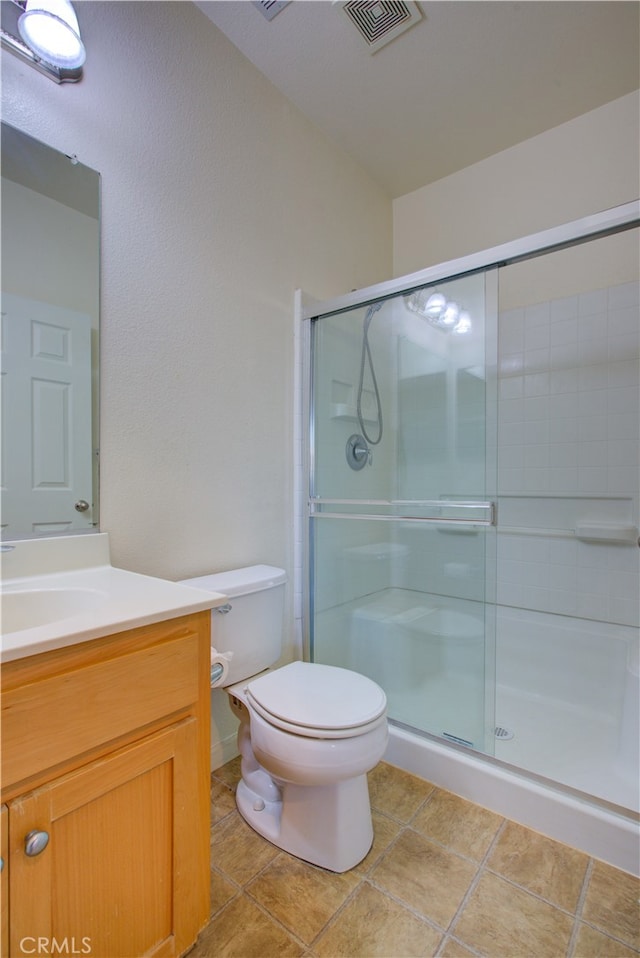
point(568, 428)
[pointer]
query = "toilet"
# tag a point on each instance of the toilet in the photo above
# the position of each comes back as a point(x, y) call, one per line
point(308, 734)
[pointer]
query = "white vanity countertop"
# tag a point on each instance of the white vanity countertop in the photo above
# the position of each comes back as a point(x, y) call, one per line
point(79, 601)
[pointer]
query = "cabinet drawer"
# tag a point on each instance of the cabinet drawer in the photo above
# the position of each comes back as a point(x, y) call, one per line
point(51, 720)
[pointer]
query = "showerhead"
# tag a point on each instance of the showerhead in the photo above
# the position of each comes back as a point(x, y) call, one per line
point(372, 309)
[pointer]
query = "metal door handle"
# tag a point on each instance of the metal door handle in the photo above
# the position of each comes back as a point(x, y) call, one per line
point(81, 505)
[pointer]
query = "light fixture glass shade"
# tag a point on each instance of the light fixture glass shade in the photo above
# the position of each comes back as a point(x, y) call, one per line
point(449, 315)
point(50, 29)
point(435, 305)
point(464, 323)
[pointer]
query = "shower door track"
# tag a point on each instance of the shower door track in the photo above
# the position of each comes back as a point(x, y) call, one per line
point(623, 217)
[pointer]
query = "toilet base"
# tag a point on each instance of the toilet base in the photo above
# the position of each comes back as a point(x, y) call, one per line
point(326, 825)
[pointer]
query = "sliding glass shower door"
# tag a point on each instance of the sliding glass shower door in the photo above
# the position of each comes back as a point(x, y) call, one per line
point(401, 507)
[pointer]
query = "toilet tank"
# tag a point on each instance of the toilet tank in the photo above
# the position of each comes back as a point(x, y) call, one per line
point(252, 626)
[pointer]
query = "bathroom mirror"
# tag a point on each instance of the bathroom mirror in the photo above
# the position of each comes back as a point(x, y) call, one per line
point(50, 340)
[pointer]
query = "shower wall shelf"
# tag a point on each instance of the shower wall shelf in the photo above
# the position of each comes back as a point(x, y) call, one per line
point(347, 413)
point(589, 518)
point(620, 535)
point(601, 532)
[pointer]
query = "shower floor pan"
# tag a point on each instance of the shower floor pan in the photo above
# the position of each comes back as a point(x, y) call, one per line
point(563, 686)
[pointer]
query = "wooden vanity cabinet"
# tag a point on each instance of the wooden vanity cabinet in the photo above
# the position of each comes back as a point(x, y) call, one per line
point(4, 880)
point(105, 764)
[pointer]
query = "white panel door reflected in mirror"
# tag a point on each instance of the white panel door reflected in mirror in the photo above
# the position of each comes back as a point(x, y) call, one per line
point(46, 430)
point(50, 340)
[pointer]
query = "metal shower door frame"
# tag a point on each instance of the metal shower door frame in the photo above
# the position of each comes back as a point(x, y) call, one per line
point(625, 216)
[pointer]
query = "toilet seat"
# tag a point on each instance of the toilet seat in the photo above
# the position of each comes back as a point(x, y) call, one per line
point(318, 701)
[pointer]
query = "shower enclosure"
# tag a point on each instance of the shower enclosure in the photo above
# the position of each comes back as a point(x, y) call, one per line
point(472, 523)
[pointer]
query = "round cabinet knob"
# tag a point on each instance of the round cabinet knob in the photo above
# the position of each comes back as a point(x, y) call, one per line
point(1, 864)
point(81, 505)
point(35, 842)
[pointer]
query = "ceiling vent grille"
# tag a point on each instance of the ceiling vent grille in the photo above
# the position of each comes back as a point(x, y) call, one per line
point(270, 8)
point(380, 22)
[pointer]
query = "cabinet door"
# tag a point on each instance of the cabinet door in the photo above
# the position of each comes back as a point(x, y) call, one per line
point(122, 873)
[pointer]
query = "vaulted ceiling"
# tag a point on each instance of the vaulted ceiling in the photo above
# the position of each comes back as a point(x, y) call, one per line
point(468, 80)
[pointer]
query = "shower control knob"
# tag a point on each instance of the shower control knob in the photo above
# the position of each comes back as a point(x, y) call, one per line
point(357, 452)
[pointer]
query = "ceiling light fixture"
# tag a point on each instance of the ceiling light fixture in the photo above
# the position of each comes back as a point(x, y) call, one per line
point(440, 312)
point(464, 323)
point(46, 34)
point(434, 306)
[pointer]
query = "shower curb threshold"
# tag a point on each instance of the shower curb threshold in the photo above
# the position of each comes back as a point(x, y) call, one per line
point(599, 832)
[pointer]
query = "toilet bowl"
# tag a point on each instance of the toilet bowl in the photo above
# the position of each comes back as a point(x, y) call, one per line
point(308, 733)
point(304, 786)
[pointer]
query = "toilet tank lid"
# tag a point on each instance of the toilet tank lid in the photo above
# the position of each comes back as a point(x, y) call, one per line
point(235, 582)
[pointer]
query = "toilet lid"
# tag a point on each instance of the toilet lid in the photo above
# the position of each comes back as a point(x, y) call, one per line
point(320, 697)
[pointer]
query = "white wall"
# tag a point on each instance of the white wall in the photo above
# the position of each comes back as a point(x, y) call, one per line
point(218, 200)
point(581, 167)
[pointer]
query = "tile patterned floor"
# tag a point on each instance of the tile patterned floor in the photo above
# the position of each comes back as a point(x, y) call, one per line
point(444, 878)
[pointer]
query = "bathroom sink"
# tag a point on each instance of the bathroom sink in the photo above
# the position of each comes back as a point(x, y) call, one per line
point(28, 608)
point(56, 592)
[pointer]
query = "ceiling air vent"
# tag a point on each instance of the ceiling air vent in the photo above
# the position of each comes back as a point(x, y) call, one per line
point(270, 8)
point(380, 22)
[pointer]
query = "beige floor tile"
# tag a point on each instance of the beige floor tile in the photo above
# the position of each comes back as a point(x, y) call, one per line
point(612, 903)
point(374, 926)
point(223, 801)
point(593, 944)
point(453, 949)
point(385, 831)
point(242, 930)
point(229, 773)
point(302, 897)
point(501, 920)
point(222, 891)
point(430, 879)
point(396, 792)
point(543, 866)
point(237, 850)
point(460, 825)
